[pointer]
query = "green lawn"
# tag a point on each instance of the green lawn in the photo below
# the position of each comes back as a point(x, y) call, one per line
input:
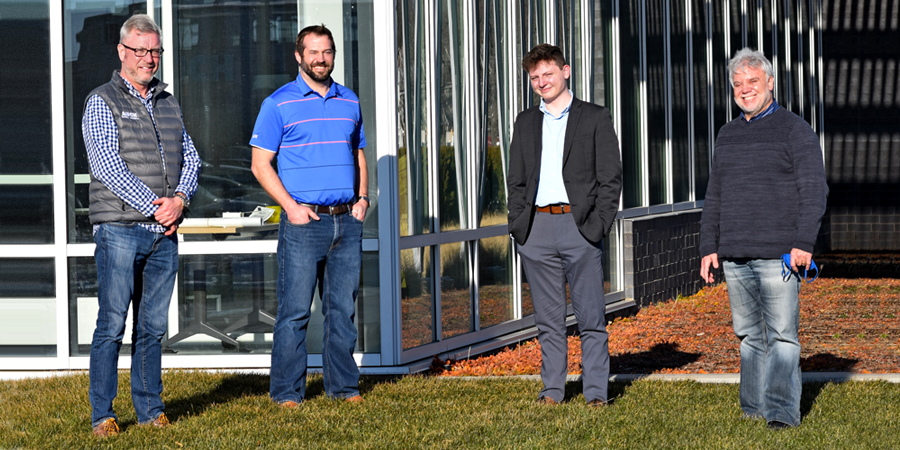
point(228, 411)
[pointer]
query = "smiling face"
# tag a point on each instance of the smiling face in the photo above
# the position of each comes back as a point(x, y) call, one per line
point(317, 60)
point(752, 90)
point(548, 80)
point(139, 71)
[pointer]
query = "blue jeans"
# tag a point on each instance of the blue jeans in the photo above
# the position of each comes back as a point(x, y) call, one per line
point(765, 310)
point(133, 266)
point(327, 251)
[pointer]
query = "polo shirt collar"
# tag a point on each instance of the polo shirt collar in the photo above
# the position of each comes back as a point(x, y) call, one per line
point(306, 90)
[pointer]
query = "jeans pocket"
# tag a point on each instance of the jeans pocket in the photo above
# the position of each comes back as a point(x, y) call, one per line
point(298, 225)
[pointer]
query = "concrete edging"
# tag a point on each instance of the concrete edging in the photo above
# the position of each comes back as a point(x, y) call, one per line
point(723, 378)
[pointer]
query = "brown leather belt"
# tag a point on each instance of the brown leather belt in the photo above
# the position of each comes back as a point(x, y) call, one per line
point(554, 209)
point(330, 210)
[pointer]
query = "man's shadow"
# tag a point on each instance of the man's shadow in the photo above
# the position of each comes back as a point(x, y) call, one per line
point(660, 356)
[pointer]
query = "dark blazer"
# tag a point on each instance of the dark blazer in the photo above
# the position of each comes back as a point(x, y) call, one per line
point(592, 170)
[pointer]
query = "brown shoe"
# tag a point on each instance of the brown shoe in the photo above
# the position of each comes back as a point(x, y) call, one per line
point(289, 404)
point(596, 403)
point(160, 422)
point(107, 428)
point(354, 399)
point(546, 401)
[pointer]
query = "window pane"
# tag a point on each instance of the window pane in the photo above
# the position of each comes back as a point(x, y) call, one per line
point(657, 74)
point(495, 294)
point(27, 277)
point(722, 94)
point(681, 144)
point(452, 166)
point(226, 303)
point(456, 295)
point(28, 303)
point(26, 214)
point(630, 76)
point(415, 213)
point(700, 100)
point(25, 140)
point(415, 297)
point(527, 304)
point(492, 175)
point(611, 253)
point(89, 41)
point(229, 58)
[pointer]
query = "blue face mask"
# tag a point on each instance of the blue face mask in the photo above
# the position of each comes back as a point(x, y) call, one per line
point(786, 269)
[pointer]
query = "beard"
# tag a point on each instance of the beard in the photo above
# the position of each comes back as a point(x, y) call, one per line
point(306, 68)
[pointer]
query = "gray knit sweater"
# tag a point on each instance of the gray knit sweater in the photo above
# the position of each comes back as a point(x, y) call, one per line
point(767, 190)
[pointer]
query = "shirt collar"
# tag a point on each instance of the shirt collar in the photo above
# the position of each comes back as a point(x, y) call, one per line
point(134, 91)
point(765, 113)
point(306, 90)
point(564, 111)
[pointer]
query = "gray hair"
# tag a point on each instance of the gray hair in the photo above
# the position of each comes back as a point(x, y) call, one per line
point(141, 23)
point(753, 59)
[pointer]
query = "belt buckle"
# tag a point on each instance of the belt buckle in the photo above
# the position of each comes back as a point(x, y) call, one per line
point(331, 210)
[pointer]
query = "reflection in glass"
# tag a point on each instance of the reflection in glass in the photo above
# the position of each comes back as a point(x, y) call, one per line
point(527, 304)
point(26, 213)
point(89, 41)
point(722, 93)
point(657, 74)
point(25, 139)
point(83, 308)
point(610, 261)
point(27, 278)
point(736, 18)
point(412, 159)
point(492, 170)
point(416, 303)
point(229, 58)
point(681, 144)
point(456, 295)
point(630, 76)
point(603, 95)
point(452, 164)
point(495, 294)
point(700, 100)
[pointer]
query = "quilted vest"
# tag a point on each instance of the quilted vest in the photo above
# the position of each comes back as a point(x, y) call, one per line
point(139, 148)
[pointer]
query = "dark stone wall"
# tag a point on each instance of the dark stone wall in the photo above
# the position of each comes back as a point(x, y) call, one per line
point(662, 257)
point(861, 60)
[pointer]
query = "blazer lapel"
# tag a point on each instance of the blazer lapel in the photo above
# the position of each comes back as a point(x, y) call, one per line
point(538, 127)
point(571, 126)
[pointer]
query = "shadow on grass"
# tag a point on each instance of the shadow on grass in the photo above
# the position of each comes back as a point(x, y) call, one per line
point(233, 386)
point(660, 356)
point(808, 397)
point(614, 391)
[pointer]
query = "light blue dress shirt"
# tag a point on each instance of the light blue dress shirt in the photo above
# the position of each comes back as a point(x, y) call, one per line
point(551, 189)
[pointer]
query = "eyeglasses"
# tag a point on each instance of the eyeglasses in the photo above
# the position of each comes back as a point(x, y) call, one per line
point(786, 270)
point(142, 52)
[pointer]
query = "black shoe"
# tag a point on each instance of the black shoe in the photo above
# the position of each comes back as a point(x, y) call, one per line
point(776, 425)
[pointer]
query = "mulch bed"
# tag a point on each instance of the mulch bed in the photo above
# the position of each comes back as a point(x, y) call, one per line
point(846, 325)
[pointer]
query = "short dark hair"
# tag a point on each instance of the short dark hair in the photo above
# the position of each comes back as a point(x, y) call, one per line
point(543, 52)
point(319, 30)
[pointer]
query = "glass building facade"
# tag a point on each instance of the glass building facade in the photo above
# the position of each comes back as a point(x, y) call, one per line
point(440, 85)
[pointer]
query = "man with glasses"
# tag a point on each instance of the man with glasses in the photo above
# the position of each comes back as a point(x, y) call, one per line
point(765, 198)
point(144, 171)
point(313, 126)
point(565, 177)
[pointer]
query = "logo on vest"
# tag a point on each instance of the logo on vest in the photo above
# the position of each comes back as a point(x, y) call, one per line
point(130, 115)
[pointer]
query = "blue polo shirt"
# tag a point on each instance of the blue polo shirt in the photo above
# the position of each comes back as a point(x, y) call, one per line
point(315, 138)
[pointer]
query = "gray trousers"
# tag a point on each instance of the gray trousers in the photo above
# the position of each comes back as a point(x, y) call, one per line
point(556, 252)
